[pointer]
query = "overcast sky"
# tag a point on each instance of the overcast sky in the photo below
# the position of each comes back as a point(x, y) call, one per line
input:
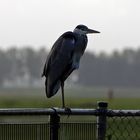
point(41, 22)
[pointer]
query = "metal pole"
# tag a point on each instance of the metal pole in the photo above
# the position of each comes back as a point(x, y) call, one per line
point(101, 120)
point(54, 126)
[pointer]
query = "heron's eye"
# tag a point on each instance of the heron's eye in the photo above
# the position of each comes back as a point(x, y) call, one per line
point(84, 29)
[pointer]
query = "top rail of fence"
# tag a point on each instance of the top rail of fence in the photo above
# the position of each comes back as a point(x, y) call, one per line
point(48, 111)
point(121, 113)
point(74, 111)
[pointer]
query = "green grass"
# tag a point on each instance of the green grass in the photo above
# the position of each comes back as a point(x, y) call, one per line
point(74, 98)
point(117, 103)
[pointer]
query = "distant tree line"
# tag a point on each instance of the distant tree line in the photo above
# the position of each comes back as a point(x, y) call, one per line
point(21, 64)
point(117, 69)
point(120, 69)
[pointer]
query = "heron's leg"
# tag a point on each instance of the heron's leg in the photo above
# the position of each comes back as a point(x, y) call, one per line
point(63, 100)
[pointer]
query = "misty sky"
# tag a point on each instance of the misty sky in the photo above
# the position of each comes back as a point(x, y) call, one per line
point(41, 22)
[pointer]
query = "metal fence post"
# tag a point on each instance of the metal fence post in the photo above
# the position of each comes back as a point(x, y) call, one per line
point(101, 120)
point(54, 126)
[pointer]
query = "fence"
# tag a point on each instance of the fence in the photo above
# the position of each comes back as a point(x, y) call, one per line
point(77, 124)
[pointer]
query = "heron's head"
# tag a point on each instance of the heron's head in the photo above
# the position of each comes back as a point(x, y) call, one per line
point(82, 29)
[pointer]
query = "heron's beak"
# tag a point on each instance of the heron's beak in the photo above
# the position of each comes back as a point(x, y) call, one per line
point(90, 31)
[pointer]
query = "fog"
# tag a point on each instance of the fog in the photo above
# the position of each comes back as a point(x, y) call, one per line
point(40, 22)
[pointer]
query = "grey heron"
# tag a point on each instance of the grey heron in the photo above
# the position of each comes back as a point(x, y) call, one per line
point(64, 58)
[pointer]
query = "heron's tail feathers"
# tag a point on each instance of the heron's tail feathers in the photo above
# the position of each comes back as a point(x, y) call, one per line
point(51, 89)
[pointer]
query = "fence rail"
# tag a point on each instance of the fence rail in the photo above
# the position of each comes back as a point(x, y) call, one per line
point(107, 124)
point(49, 111)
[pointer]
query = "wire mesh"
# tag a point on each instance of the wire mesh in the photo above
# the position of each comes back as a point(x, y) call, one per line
point(38, 128)
point(41, 131)
point(77, 131)
point(78, 127)
point(123, 128)
point(21, 127)
point(24, 131)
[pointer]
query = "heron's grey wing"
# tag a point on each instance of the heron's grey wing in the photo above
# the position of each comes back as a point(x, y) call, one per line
point(59, 64)
point(51, 56)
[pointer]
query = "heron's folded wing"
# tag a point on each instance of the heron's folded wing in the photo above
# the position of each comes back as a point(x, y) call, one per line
point(58, 66)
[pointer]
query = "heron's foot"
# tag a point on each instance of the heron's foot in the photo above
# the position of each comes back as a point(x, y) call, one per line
point(68, 110)
point(54, 109)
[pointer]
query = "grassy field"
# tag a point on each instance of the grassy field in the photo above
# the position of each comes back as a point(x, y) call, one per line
point(76, 98)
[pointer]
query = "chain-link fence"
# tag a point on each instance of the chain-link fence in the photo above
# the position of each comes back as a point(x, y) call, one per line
point(123, 125)
point(24, 131)
point(47, 124)
point(78, 124)
point(123, 128)
point(39, 127)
